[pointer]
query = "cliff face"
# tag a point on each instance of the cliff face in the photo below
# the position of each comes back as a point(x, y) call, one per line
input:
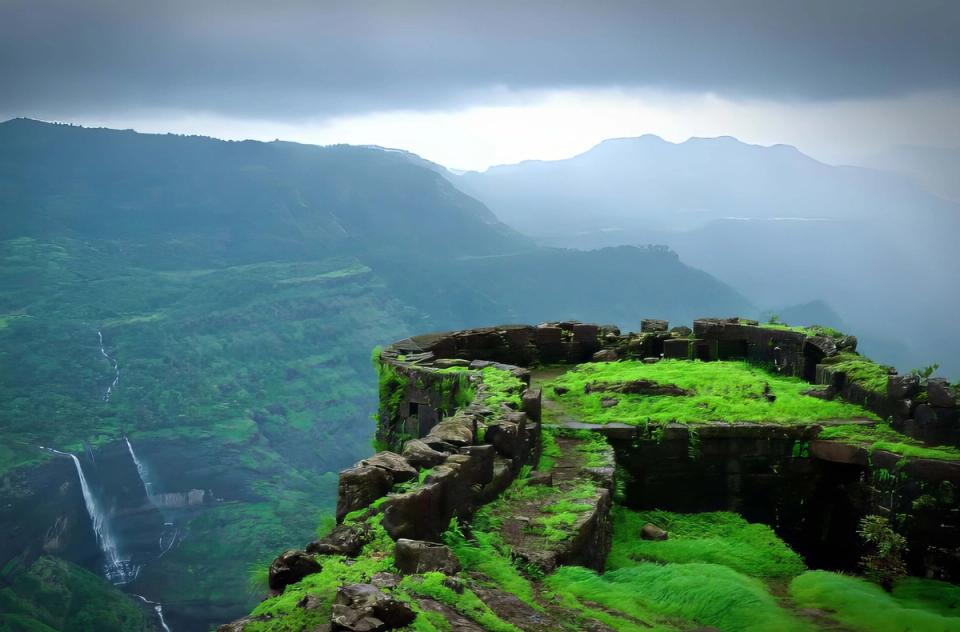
point(488, 484)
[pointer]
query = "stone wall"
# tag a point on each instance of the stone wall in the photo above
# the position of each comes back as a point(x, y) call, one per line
point(813, 492)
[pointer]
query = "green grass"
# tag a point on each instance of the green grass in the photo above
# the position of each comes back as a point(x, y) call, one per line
point(486, 553)
point(914, 604)
point(861, 370)
point(549, 450)
point(723, 391)
point(883, 437)
point(431, 585)
point(504, 387)
point(716, 537)
point(709, 594)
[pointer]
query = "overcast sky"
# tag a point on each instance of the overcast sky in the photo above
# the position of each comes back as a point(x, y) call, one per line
point(470, 84)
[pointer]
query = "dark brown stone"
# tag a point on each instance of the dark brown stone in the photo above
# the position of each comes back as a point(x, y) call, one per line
point(836, 452)
point(359, 486)
point(940, 393)
point(651, 531)
point(420, 455)
point(452, 431)
point(366, 608)
point(652, 325)
point(398, 467)
point(343, 540)
point(417, 556)
point(290, 567)
point(903, 386)
point(606, 355)
point(636, 387)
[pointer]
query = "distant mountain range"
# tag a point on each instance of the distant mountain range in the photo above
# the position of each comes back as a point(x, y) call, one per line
point(772, 222)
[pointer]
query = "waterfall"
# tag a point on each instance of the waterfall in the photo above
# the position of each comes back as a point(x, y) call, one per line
point(116, 368)
point(141, 470)
point(156, 608)
point(116, 569)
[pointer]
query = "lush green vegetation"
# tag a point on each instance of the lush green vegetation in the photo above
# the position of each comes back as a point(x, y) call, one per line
point(915, 604)
point(706, 593)
point(865, 372)
point(716, 537)
point(53, 594)
point(504, 387)
point(882, 437)
point(722, 391)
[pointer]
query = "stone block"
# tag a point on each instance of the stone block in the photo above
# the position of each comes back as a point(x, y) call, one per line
point(652, 325)
point(678, 349)
point(359, 486)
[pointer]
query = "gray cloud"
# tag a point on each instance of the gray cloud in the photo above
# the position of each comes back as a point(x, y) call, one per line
point(300, 59)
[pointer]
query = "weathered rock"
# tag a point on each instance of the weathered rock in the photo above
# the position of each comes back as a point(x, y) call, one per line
point(418, 513)
point(384, 579)
point(416, 556)
point(825, 345)
point(682, 331)
point(847, 343)
point(940, 393)
point(398, 466)
point(531, 402)
point(651, 531)
point(458, 622)
point(343, 540)
point(290, 567)
point(544, 479)
point(636, 387)
point(828, 393)
point(241, 624)
point(606, 355)
point(903, 386)
point(585, 333)
point(452, 431)
point(446, 363)
point(366, 608)
point(359, 486)
point(676, 349)
point(440, 446)
point(651, 360)
point(608, 402)
point(506, 437)
point(651, 325)
point(478, 470)
point(420, 455)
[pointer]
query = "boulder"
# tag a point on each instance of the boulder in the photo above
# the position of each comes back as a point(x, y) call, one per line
point(824, 344)
point(606, 355)
point(608, 402)
point(439, 445)
point(359, 486)
point(366, 608)
point(398, 466)
point(417, 556)
point(847, 343)
point(345, 539)
point(452, 431)
point(940, 393)
point(903, 386)
point(418, 513)
point(290, 567)
point(420, 455)
point(506, 437)
point(652, 325)
point(651, 531)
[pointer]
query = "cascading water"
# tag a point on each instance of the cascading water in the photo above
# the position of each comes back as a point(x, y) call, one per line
point(116, 368)
point(116, 569)
point(170, 533)
point(156, 608)
point(141, 470)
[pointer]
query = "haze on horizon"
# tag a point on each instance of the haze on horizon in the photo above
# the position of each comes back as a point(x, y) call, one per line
point(469, 86)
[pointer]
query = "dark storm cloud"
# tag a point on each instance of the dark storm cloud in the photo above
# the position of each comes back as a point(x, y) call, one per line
point(292, 59)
